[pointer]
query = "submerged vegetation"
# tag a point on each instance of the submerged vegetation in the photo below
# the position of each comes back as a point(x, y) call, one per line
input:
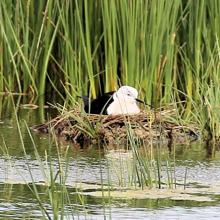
point(57, 196)
point(168, 50)
point(58, 181)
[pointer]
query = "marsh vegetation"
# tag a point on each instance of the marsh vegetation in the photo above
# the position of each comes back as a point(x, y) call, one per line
point(168, 50)
point(54, 51)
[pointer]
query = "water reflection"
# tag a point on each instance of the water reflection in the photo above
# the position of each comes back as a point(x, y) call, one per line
point(91, 165)
point(17, 202)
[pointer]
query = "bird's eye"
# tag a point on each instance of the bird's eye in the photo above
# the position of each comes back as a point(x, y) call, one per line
point(129, 94)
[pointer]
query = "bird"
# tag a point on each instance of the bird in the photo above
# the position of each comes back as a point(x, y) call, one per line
point(122, 101)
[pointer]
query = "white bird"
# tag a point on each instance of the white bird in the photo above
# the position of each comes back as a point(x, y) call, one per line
point(123, 101)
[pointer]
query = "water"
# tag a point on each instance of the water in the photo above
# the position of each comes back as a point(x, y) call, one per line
point(93, 166)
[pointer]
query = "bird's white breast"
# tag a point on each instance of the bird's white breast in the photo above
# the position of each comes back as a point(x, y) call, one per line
point(122, 107)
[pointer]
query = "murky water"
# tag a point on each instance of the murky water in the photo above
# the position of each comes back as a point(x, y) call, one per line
point(92, 166)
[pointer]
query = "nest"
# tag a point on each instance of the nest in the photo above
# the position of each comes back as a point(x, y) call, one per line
point(147, 126)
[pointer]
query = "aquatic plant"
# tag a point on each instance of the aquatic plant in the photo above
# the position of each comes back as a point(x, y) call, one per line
point(168, 50)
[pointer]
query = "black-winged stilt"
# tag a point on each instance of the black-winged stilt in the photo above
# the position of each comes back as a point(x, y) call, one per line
point(123, 101)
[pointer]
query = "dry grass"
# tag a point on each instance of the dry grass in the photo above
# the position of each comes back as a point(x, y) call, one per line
point(148, 126)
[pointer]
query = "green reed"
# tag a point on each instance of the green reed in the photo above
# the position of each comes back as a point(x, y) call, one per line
point(151, 167)
point(54, 179)
point(168, 50)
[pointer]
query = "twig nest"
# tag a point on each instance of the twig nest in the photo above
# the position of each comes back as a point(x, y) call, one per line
point(147, 126)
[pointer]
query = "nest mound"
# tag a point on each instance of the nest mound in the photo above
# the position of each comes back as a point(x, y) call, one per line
point(147, 126)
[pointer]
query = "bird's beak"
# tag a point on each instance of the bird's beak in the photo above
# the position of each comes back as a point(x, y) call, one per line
point(138, 100)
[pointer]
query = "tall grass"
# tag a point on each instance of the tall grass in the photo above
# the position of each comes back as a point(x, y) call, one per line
point(55, 177)
point(169, 50)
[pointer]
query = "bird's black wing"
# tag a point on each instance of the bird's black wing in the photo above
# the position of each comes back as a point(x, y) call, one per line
point(100, 105)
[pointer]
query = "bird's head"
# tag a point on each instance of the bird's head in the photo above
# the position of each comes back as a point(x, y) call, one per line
point(126, 93)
